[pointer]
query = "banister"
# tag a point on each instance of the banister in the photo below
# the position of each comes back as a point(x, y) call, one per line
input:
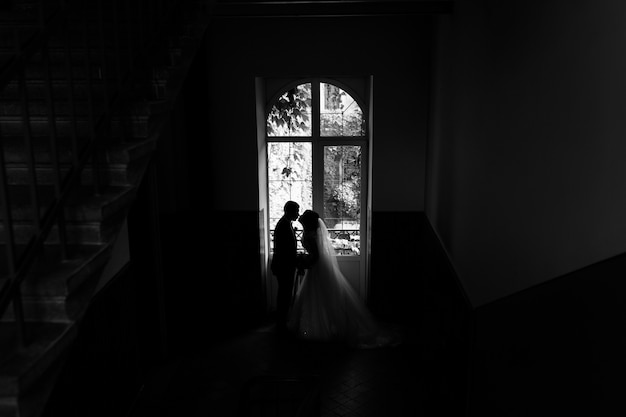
point(99, 120)
point(18, 19)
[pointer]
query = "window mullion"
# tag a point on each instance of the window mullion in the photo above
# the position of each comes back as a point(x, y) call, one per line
point(315, 108)
point(318, 150)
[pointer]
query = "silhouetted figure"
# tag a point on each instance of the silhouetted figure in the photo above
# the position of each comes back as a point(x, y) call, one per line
point(326, 307)
point(284, 261)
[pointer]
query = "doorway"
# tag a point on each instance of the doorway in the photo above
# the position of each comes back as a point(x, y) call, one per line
point(316, 153)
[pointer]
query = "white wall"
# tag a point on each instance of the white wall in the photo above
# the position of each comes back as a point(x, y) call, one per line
point(526, 166)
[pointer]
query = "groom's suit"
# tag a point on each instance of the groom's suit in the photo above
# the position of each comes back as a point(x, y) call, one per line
point(284, 264)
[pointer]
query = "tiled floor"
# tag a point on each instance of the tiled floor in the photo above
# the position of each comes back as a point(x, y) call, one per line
point(398, 381)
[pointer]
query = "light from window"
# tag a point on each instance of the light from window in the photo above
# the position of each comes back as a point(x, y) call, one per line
point(289, 169)
point(342, 197)
point(292, 139)
point(291, 113)
point(340, 115)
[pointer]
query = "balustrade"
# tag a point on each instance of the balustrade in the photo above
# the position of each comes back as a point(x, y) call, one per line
point(67, 72)
point(346, 242)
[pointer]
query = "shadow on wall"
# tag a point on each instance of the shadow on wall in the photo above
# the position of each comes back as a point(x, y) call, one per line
point(555, 349)
point(213, 278)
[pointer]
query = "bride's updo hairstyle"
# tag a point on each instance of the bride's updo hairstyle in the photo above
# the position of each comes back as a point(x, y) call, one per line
point(308, 219)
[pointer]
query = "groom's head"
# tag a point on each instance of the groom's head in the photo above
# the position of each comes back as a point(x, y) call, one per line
point(292, 210)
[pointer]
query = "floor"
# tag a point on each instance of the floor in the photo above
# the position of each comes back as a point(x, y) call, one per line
point(426, 375)
point(406, 380)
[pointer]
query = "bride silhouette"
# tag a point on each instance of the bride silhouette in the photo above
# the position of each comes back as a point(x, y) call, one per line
point(326, 307)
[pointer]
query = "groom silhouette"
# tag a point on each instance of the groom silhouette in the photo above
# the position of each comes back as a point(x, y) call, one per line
point(284, 261)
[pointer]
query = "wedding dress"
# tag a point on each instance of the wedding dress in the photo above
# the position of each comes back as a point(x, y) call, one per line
point(326, 307)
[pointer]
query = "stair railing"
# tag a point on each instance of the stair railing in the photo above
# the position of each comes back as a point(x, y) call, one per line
point(122, 35)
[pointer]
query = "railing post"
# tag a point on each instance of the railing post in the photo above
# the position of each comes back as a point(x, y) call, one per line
point(153, 200)
point(18, 313)
point(120, 108)
point(8, 223)
point(91, 107)
point(104, 70)
point(105, 117)
point(27, 135)
point(7, 218)
point(141, 23)
point(9, 240)
point(130, 38)
point(69, 72)
point(52, 134)
point(149, 19)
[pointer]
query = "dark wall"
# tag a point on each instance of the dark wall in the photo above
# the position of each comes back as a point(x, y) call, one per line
point(118, 347)
point(554, 349)
point(393, 50)
point(398, 265)
point(210, 259)
point(413, 284)
point(109, 360)
point(182, 154)
point(213, 282)
point(123, 336)
point(525, 164)
point(208, 168)
point(525, 191)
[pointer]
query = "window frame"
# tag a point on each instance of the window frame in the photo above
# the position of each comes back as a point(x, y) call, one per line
point(318, 142)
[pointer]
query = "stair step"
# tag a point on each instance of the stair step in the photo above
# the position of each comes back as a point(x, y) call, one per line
point(62, 106)
point(15, 150)
point(20, 369)
point(89, 218)
point(115, 174)
point(135, 126)
point(8, 407)
point(37, 89)
point(35, 68)
point(89, 233)
point(83, 205)
point(57, 47)
point(121, 153)
point(122, 162)
point(57, 55)
point(51, 277)
point(58, 291)
point(39, 107)
point(61, 290)
point(49, 309)
point(58, 73)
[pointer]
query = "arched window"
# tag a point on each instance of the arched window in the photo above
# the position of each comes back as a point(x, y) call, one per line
point(316, 148)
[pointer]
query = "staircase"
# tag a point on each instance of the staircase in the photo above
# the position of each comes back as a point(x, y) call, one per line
point(85, 88)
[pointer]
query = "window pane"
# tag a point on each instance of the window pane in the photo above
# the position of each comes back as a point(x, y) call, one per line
point(289, 169)
point(340, 115)
point(290, 115)
point(342, 197)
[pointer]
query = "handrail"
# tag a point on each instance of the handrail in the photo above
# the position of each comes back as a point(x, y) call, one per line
point(116, 87)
